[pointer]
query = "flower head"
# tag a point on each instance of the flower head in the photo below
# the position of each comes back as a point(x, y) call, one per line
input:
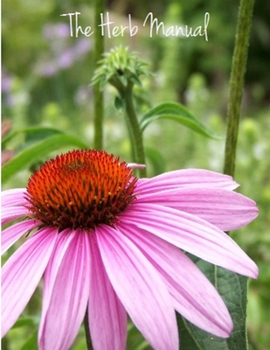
point(120, 68)
point(108, 244)
point(80, 190)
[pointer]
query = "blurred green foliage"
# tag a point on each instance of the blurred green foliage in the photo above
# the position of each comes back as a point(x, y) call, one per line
point(46, 82)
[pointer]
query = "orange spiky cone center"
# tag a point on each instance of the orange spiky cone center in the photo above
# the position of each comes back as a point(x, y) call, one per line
point(80, 189)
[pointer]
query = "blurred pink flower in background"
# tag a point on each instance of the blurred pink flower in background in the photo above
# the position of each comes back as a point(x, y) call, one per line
point(63, 52)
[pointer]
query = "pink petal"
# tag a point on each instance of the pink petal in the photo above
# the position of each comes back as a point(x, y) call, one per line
point(61, 246)
point(11, 234)
point(136, 166)
point(12, 213)
point(194, 296)
point(68, 294)
point(186, 178)
point(107, 316)
point(13, 197)
point(139, 287)
point(22, 273)
point(225, 209)
point(192, 234)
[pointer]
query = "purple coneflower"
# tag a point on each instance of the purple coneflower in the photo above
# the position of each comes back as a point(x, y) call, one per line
point(107, 242)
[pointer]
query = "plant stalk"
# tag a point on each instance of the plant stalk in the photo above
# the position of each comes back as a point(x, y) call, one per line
point(87, 332)
point(237, 82)
point(98, 94)
point(134, 127)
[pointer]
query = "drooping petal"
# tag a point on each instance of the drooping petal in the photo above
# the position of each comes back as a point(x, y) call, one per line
point(225, 209)
point(69, 296)
point(202, 306)
point(139, 287)
point(186, 178)
point(11, 234)
point(11, 213)
point(107, 316)
point(22, 273)
point(192, 234)
point(13, 197)
point(52, 269)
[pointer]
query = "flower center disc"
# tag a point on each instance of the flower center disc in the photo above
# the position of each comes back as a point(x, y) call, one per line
point(80, 189)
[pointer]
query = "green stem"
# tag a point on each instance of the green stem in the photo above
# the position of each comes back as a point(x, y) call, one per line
point(87, 332)
point(237, 82)
point(98, 94)
point(134, 127)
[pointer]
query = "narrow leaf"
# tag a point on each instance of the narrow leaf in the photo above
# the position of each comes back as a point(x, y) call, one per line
point(31, 134)
point(38, 150)
point(156, 160)
point(119, 103)
point(178, 113)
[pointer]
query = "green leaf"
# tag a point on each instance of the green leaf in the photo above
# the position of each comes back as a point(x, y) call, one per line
point(38, 150)
point(155, 159)
point(178, 113)
point(25, 321)
point(135, 340)
point(233, 289)
point(31, 134)
point(119, 103)
point(31, 342)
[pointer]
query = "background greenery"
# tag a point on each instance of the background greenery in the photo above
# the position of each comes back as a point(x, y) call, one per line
point(45, 80)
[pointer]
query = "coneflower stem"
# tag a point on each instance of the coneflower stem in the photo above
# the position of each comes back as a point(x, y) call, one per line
point(237, 82)
point(87, 332)
point(98, 94)
point(134, 127)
